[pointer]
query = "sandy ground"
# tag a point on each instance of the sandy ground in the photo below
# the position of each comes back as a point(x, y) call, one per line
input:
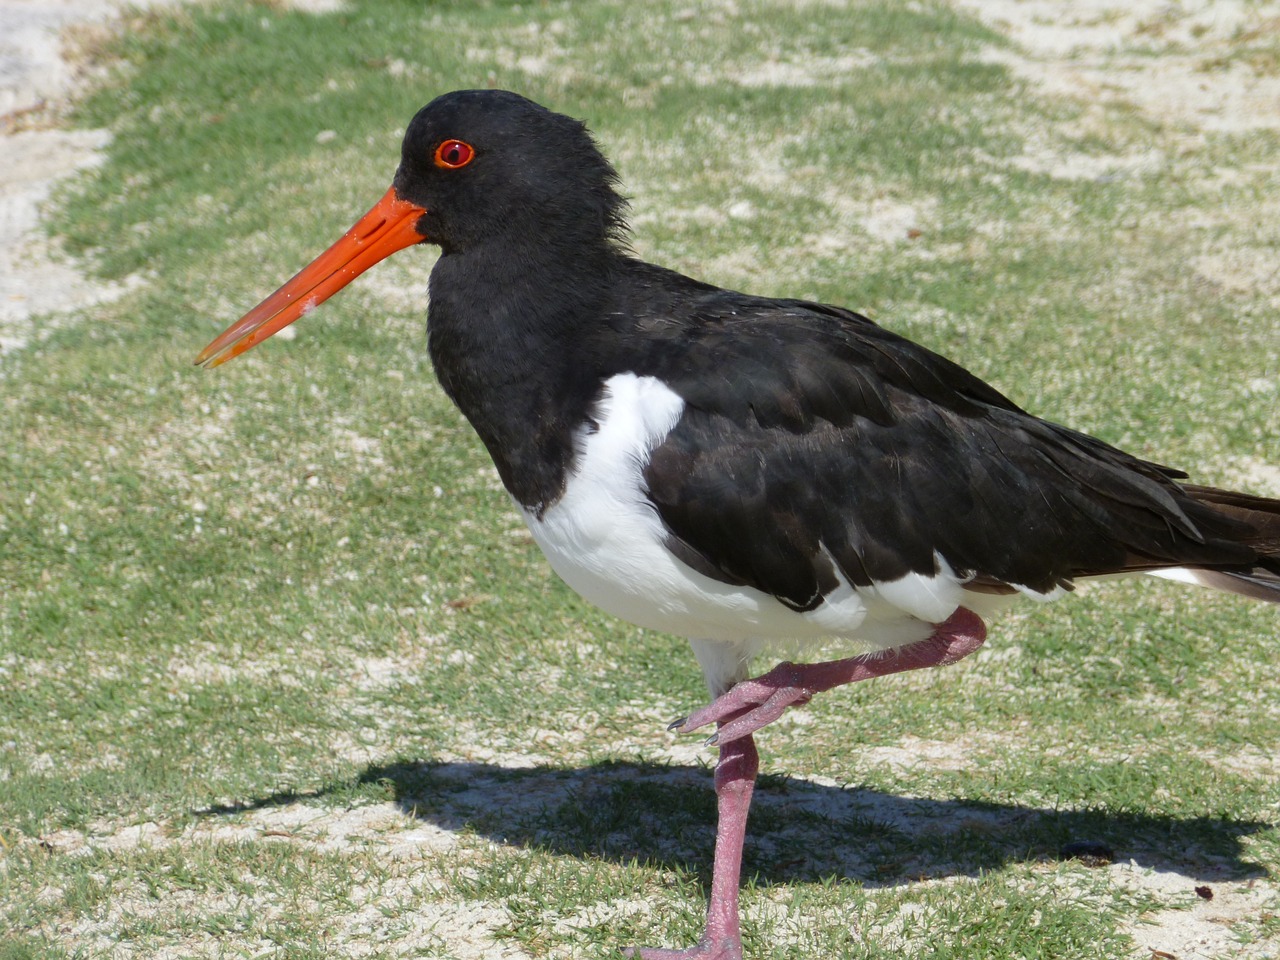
point(1095, 49)
point(36, 80)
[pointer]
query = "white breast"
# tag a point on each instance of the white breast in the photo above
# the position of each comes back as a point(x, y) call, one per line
point(605, 539)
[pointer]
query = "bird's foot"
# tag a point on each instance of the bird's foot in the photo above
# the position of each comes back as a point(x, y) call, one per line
point(752, 704)
point(722, 948)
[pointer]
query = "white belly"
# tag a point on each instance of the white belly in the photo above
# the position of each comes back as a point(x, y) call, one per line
point(605, 539)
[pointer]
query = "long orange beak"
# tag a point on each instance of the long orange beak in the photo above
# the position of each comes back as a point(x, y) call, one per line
point(391, 225)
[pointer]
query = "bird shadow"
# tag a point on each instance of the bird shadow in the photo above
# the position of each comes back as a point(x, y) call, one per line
point(664, 815)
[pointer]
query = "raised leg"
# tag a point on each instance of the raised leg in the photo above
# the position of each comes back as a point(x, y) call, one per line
point(752, 704)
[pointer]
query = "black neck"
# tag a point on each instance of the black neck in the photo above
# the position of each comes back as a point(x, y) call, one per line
point(510, 335)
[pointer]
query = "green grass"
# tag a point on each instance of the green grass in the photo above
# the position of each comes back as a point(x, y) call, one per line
point(281, 674)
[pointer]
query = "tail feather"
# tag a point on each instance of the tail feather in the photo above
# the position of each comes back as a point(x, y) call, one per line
point(1257, 583)
point(1257, 522)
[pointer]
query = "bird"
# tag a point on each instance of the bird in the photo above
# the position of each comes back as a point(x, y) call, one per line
point(755, 474)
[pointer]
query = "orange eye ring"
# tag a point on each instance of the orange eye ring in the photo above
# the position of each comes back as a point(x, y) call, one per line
point(453, 154)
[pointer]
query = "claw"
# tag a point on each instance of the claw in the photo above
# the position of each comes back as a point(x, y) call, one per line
point(676, 724)
point(712, 740)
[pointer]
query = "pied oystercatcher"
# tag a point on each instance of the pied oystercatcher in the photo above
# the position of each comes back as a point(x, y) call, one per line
point(743, 470)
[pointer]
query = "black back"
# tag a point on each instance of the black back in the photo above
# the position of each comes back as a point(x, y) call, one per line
point(810, 433)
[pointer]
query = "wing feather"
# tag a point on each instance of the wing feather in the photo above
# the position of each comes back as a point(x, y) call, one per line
point(836, 440)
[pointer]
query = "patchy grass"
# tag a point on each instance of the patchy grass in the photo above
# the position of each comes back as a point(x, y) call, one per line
point(281, 673)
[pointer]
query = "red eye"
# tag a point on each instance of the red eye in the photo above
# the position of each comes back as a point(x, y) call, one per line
point(453, 154)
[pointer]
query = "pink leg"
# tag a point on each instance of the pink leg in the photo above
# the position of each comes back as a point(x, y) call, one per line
point(735, 780)
point(752, 704)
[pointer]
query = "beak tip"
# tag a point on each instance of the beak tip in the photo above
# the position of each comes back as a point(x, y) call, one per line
point(389, 226)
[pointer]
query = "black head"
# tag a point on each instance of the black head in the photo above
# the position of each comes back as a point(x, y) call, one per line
point(478, 168)
point(489, 164)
